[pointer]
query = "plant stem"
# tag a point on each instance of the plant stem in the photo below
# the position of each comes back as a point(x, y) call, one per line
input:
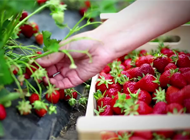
point(38, 10)
point(70, 57)
point(44, 54)
point(72, 31)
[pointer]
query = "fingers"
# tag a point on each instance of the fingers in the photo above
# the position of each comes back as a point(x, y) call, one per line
point(50, 60)
point(71, 80)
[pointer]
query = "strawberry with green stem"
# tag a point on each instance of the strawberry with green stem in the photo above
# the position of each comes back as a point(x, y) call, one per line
point(104, 110)
point(175, 108)
point(148, 83)
point(40, 107)
point(52, 95)
point(165, 49)
point(24, 107)
point(183, 61)
point(165, 77)
point(102, 84)
point(101, 99)
point(119, 102)
point(182, 135)
point(170, 66)
point(159, 95)
point(178, 80)
point(160, 108)
point(160, 62)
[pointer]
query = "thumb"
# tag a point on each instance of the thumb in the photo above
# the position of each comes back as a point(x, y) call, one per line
point(50, 59)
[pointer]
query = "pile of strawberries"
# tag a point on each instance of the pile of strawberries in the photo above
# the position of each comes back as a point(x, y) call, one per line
point(141, 83)
point(29, 29)
point(146, 135)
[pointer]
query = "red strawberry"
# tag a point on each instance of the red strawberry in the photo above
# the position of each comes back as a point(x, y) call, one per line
point(116, 85)
point(143, 108)
point(108, 135)
point(27, 30)
point(167, 51)
point(144, 59)
point(87, 3)
point(72, 94)
point(103, 84)
point(53, 97)
point(160, 108)
point(35, 27)
point(3, 113)
point(142, 52)
point(177, 80)
point(127, 64)
point(145, 69)
point(170, 66)
point(34, 97)
point(183, 61)
point(165, 79)
point(105, 110)
point(144, 134)
point(38, 52)
point(39, 38)
point(160, 63)
point(104, 101)
point(183, 70)
point(62, 94)
point(147, 83)
point(106, 76)
point(185, 92)
point(186, 76)
point(186, 104)
point(144, 96)
point(24, 15)
point(118, 103)
point(171, 90)
point(41, 1)
point(133, 72)
point(82, 11)
point(126, 74)
point(181, 136)
point(32, 69)
point(111, 92)
point(131, 86)
point(165, 133)
point(26, 76)
point(175, 97)
point(15, 71)
point(106, 69)
point(41, 112)
point(175, 108)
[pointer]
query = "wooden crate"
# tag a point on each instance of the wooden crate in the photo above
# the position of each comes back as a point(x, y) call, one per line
point(90, 126)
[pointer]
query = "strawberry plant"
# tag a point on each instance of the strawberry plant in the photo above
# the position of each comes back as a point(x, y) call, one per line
point(155, 82)
point(20, 68)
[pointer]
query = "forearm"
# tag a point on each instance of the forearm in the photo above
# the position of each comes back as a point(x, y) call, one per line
point(141, 22)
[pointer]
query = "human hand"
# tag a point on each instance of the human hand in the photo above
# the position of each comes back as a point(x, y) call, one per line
point(59, 62)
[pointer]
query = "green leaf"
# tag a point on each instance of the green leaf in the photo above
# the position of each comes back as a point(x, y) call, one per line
point(5, 74)
point(50, 44)
point(1, 130)
point(5, 96)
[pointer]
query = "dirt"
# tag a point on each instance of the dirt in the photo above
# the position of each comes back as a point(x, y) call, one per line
point(69, 131)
